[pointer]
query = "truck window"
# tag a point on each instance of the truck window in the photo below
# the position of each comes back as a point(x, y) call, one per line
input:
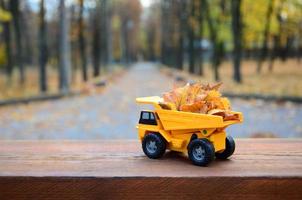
point(147, 118)
point(145, 115)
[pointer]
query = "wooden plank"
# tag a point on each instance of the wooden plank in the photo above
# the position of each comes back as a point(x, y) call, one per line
point(259, 169)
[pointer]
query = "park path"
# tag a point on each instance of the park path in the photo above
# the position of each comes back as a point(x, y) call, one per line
point(113, 113)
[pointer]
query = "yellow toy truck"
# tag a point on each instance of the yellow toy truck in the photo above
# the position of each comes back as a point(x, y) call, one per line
point(200, 136)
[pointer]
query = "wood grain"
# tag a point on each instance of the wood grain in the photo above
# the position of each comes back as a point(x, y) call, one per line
point(259, 169)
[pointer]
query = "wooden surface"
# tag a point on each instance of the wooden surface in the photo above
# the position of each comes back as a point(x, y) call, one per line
point(260, 168)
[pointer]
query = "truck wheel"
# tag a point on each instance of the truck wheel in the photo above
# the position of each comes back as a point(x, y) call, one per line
point(201, 152)
point(229, 148)
point(154, 145)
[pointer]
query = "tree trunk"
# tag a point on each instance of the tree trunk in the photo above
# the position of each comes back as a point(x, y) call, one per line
point(277, 38)
point(274, 53)
point(191, 41)
point(163, 32)
point(14, 7)
point(8, 45)
point(42, 48)
point(74, 47)
point(109, 36)
point(201, 35)
point(64, 49)
point(96, 45)
point(263, 52)
point(237, 38)
point(215, 59)
point(82, 42)
point(27, 34)
point(182, 31)
point(150, 44)
point(103, 33)
point(125, 41)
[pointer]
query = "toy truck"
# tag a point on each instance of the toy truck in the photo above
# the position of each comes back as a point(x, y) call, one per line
point(201, 137)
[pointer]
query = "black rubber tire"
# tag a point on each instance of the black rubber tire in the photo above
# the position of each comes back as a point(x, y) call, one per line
point(229, 148)
point(209, 152)
point(160, 143)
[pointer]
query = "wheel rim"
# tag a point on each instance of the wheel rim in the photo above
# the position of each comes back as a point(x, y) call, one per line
point(151, 146)
point(198, 153)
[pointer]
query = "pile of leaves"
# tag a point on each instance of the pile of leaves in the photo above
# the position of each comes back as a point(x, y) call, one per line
point(199, 98)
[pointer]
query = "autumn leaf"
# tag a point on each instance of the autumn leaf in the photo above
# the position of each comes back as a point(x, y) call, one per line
point(199, 98)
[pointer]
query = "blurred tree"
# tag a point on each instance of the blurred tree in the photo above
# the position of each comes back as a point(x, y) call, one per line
point(96, 53)
point(74, 35)
point(217, 46)
point(116, 36)
point(151, 41)
point(201, 15)
point(183, 19)
point(152, 29)
point(164, 24)
point(277, 37)
point(288, 17)
point(64, 49)
point(26, 16)
point(170, 32)
point(237, 38)
point(82, 41)
point(191, 36)
point(104, 19)
point(264, 48)
point(15, 10)
point(129, 12)
point(5, 18)
point(42, 48)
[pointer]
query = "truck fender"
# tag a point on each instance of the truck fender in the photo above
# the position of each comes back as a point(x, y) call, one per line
point(165, 135)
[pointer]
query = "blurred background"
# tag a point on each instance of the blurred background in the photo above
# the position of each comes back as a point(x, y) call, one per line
point(71, 69)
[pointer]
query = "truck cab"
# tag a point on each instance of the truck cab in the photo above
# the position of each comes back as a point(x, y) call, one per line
point(148, 118)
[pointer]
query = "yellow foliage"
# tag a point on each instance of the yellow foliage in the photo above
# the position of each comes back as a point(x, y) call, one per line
point(2, 55)
point(5, 16)
point(255, 14)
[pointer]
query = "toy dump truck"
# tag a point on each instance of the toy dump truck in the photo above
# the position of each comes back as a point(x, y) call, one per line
point(200, 136)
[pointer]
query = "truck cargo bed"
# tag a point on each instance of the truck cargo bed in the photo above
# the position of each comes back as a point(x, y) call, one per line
point(177, 120)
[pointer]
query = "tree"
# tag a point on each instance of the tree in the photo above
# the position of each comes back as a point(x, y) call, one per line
point(129, 12)
point(216, 44)
point(15, 10)
point(263, 51)
point(191, 35)
point(74, 37)
point(27, 38)
point(182, 14)
point(237, 38)
point(64, 49)
point(104, 31)
point(96, 43)
point(7, 39)
point(150, 44)
point(164, 23)
point(202, 11)
point(82, 41)
point(42, 48)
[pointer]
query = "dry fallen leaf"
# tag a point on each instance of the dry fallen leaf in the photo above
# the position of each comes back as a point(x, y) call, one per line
point(199, 98)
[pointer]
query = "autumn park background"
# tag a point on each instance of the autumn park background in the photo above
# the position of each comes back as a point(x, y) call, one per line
point(71, 69)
